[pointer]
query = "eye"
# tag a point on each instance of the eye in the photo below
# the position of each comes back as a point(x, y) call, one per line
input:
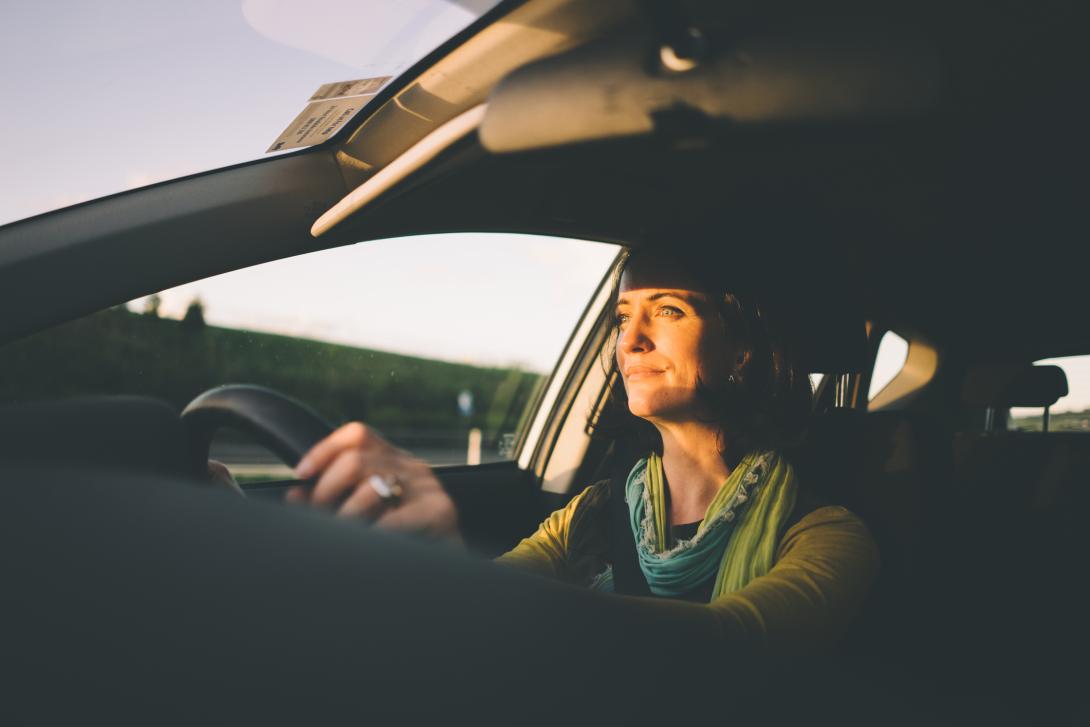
point(670, 311)
point(621, 319)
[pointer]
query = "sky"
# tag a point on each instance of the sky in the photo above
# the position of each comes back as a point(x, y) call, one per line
point(493, 299)
point(105, 96)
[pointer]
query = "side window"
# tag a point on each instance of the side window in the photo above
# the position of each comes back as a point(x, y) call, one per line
point(1072, 412)
point(441, 342)
point(891, 358)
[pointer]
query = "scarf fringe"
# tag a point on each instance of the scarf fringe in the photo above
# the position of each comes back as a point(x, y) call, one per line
point(766, 484)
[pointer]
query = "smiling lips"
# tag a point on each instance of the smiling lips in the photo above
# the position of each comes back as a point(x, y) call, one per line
point(640, 372)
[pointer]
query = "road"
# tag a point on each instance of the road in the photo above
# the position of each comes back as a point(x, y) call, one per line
point(253, 461)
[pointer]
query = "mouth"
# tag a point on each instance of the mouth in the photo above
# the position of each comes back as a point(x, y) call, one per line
point(641, 372)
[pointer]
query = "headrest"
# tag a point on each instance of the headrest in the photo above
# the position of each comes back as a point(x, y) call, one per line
point(827, 337)
point(837, 346)
point(123, 432)
point(1006, 385)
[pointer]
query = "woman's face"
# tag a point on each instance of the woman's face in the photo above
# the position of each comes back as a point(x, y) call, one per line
point(669, 338)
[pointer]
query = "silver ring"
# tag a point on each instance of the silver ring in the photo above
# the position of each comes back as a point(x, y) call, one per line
point(389, 492)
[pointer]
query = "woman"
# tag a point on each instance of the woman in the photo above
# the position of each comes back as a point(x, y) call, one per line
point(710, 513)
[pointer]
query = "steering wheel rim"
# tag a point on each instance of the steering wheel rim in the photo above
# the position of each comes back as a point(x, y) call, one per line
point(287, 427)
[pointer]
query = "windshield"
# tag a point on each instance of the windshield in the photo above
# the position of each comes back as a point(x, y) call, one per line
point(109, 96)
point(442, 342)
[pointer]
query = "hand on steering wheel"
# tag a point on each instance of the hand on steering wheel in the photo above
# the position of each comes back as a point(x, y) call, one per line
point(342, 462)
point(343, 465)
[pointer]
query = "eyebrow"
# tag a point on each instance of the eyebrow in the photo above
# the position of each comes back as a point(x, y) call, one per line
point(665, 294)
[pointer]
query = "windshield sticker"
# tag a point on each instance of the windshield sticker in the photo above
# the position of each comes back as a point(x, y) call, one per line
point(330, 108)
point(362, 87)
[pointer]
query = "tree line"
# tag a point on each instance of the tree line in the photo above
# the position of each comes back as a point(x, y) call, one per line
point(120, 352)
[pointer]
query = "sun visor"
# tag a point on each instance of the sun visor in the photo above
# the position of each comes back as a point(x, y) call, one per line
point(630, 85)
point(826, 337)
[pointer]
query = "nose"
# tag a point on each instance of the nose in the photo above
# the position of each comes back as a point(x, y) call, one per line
point(635, 337)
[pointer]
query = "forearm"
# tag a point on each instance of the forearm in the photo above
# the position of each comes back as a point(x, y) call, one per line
point(824, 568)
point(537, 554)
point(548, 551)
point(802, 606)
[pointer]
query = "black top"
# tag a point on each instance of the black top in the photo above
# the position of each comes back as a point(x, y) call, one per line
point(683, 531)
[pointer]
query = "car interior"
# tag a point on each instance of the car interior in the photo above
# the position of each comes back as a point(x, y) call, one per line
point(912, 169)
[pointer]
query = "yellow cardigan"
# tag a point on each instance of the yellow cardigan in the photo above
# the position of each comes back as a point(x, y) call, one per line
point(824, 566)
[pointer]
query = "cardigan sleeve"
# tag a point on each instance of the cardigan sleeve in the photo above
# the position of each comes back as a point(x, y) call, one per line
point(825, 565)
point(563, 546)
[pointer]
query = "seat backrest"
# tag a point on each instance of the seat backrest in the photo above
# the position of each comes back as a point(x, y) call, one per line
point(1062, 484)
point(996, 472)
point(888, 467)
point(120, 432)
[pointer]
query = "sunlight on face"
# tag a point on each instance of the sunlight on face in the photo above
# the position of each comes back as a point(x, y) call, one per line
point(669, 339)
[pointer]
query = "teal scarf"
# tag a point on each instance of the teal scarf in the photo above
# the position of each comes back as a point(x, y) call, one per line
point(737, 539)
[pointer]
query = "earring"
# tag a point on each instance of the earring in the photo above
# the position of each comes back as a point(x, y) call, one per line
point(730, 379)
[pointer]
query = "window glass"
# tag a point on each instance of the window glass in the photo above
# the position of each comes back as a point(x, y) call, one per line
point(1070, 413)
point(165, 88)
point(892, 354)
point(440, 341)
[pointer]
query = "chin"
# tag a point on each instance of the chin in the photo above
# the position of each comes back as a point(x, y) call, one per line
point(650, 408)
point(640, 404)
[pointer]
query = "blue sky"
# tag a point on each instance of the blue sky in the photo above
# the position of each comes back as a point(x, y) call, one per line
point(106, 96)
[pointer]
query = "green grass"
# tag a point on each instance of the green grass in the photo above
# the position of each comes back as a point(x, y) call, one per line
point(1068, 421)
point(120, 352)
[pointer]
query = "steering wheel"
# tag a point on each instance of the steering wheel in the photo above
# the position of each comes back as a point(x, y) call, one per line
point(285, 426)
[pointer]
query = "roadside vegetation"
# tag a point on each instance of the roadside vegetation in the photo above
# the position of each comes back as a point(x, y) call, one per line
point(1068, 421)
point(412, 400)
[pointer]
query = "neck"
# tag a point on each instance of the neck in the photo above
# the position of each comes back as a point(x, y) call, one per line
point(693, 466)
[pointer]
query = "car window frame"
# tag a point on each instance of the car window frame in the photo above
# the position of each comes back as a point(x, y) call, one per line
point(553, 411)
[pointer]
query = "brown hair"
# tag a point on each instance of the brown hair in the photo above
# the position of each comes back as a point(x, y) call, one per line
point(763, 401)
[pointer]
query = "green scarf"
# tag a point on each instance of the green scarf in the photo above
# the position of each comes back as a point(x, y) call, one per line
point(736, 541)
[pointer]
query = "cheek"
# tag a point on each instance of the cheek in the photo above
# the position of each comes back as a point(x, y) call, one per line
point(713, 355)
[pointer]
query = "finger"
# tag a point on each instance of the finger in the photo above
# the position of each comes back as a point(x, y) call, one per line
point(218, 471)
point(364, 503)
point(354, 435)
point(346, 471)
point(410, 518)
point(429, 514)
point(296, 495)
